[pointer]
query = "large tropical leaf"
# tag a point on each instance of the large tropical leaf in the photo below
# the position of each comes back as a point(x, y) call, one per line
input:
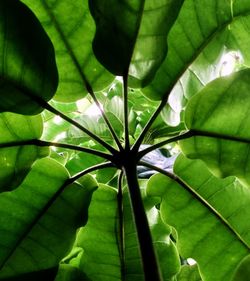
point(109, 239)
point(167, 253)
point(98, 239)
point(132, 262)
point(39, 219)
point(16, 155)
point(71, 29)
point(133, 35)
point(221, 110)
point(209, 214)
point(224, 28)
point(28, 74)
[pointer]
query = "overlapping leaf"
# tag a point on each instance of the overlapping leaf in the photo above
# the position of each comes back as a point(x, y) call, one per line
point(167, 253)
point(118, 257)
point(39, 219)
point(131, 36)
point(190, 273)
point(71, 29)
point(132, 261)
point(224, 28)
point(210, 216)
point(243, 270)
point(28, 73)
point(100, 258)
point(221, 110)
point(15, 161)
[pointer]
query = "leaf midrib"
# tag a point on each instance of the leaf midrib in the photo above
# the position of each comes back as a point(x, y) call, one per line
point(201, 200)
point(66, 43)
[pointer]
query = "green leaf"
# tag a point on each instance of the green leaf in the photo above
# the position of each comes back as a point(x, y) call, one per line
point(189, 273)
point(221, 110)
point(94, 124)
point(44, 217)
point(71, 29)
point(67, 272)
point(99, 238)
point(167, 253)
point(28, 73)
point(132, 36)
point(202, 41)
point(82, 161)
point(243, 271)
point(106, 175)
point(209, 214)
point(48, 275)
point(132, 261)
point(16, 161)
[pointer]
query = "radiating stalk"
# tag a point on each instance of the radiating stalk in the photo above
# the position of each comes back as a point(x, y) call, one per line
point(43, 143)
point(79, 69)
point(182, 136)
point(80, 127)
point(148, 255)
point(142, 135)
point(199, 198)
point(110, 127)
point(125, 112)
point(48, 205)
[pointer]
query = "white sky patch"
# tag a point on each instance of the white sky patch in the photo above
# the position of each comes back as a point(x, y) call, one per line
point(88, 108)
point(119, 78)
point(82, 104)
point(229, 62)
point(191, 261)
point(57, 120)
point(93, 110)
point(60, 136)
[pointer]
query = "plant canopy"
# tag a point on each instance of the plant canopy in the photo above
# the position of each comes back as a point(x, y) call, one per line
point(124, 140)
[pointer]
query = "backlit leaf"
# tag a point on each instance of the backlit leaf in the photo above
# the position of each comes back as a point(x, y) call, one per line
point(203, 40)
point(15, 161)
point(213, 230)
point(99, 238)
point(71, 29)
point(221, 110)
point(132, 36)
point(44, 218)
point(28, 73)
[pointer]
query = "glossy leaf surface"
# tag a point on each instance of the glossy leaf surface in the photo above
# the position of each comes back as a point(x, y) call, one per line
point(28, 73)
